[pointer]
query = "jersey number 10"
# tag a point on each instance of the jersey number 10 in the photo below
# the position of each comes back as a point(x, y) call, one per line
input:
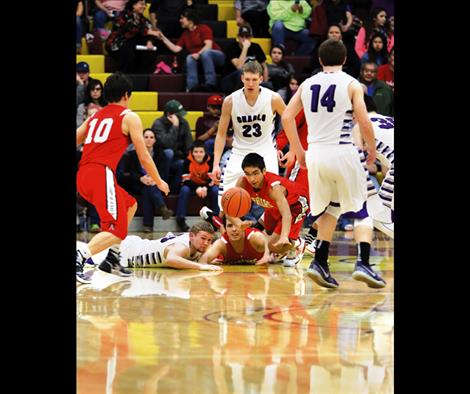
point(327, 100)
point(102, 132)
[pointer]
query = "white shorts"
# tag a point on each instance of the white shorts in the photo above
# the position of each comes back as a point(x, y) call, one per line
point(335, 174)
point(233, 169)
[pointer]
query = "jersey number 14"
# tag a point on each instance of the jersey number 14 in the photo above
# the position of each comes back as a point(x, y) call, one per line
point(327, 100)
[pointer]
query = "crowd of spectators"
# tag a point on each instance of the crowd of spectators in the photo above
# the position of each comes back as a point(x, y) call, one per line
point(176, 27)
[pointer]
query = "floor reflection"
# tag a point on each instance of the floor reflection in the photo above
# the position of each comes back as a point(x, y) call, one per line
point(246, 330)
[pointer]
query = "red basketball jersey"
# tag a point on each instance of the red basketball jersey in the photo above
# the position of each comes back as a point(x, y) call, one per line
point(261, 197)
point(105, 143)
point(248, 254)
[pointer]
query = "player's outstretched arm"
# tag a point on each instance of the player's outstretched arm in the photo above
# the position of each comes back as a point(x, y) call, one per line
point(277, 194)
point(176, 258)
point(133, 125)
point(259, 242)
point(221, 136)
point(290, 128)
point(215, 250)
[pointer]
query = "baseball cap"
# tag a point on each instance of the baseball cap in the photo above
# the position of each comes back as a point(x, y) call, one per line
point(245, 31)
point(174, 107)
point(83, 67)
point(214, 100)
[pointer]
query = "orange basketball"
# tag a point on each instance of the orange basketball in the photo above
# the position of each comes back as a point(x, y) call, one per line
point(236, 202)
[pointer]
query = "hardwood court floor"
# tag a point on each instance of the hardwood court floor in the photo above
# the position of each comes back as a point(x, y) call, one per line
point(246, 330)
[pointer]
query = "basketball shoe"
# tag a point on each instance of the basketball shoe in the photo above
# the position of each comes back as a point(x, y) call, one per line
point(365, 273)
point(320, 274)
point(82, 277)
point(208, 215)
point(295, 254)
point(111, 264)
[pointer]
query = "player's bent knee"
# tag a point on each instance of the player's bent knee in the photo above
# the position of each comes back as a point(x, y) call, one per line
point(333, 211)
point(364, 222)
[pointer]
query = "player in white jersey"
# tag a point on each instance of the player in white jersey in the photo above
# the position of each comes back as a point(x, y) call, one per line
point(337, 180)
point(381, 205)
point(252, 110)
point(175, 251)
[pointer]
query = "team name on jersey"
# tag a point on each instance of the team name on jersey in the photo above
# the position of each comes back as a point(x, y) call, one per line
point(251, 118)
point(261, 202)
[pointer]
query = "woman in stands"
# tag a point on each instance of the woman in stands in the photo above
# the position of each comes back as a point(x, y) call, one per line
point(132, 29)
point(93, 95)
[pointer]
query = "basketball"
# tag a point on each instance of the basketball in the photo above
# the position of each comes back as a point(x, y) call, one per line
point(236, 202)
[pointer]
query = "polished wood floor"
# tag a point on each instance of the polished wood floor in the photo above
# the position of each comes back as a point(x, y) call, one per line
point(245, 330)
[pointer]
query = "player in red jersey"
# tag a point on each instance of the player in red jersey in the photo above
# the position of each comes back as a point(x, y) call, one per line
point(105, 137)
point(285, 206)
point(238, 246)
point(294, 172)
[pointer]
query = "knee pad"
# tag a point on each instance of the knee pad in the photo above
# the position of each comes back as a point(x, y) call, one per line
point(333, 211)
point(364, 222)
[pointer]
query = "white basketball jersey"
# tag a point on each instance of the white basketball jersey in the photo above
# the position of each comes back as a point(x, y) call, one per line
point(253, 126)
point(328, 108)
point(140, 252)
point(384, 130)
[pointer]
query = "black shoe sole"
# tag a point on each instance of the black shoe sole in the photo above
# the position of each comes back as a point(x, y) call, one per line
point(318, 279)
point(108, 268)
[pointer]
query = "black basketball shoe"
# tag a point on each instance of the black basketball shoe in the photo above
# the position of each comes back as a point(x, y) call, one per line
point(111, 264)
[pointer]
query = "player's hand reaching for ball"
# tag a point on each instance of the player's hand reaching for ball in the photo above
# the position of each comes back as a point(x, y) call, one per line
point(282, 242)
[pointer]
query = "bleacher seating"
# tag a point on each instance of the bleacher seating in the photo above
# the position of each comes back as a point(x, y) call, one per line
point(151, 92)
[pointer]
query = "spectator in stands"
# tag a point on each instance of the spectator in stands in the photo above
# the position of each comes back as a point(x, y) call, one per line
point(377, 22)
point(255, 13)
point(196, 180)
point(174, 137)
point(386, 72)
point(93, 95)
point(165, 16)
point(376, 51)
point(130, 29)
point(198, 41)
point(338, 12)
point(83, 78)
point(206, 125)
point(105, 11)
point(289, 89)
point(141, 183)
point(287, 20)
point(387, 5)
point(279, 70)
point(237, 55)
point(352, 65)
point(378, 90)
point(79, 23)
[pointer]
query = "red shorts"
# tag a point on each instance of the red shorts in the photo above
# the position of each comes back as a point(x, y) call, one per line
point(97, 184)
point(273, 219)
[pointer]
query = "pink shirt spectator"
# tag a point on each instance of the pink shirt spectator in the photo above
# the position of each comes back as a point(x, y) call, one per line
point(362, 44)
